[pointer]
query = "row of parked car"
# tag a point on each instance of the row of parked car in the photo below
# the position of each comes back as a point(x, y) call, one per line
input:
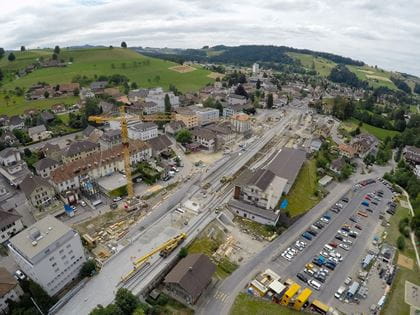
point(293, 251)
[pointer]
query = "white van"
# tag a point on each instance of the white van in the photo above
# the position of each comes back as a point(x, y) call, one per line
point(314, 284)
point(328, 248)
point(339, 292)
point(96, 202)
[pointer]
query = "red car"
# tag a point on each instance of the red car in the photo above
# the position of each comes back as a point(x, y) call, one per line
point(332, 244)
point(357, 226)
point(367, 197)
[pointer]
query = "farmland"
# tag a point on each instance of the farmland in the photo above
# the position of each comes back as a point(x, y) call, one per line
point(379, 133)
point(145, 71)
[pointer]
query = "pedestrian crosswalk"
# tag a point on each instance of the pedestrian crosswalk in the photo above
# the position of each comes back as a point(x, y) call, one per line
point(220, 296)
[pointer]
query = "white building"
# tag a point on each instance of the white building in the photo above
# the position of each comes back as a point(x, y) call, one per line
point(49, 252)
point(158, 96)
point(9, 290)
point(142, 131)
point(205, 115)
point(10, 224)
point(255, 69)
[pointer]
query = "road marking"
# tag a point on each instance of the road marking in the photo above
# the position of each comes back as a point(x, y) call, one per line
point(220, 296)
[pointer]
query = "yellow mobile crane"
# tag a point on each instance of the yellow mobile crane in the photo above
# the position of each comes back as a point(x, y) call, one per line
point(123, 119)
point(165, 249)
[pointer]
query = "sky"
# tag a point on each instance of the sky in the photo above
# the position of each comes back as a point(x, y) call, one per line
point(380, 32)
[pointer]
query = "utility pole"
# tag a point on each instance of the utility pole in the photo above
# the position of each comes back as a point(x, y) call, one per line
point(37, 307)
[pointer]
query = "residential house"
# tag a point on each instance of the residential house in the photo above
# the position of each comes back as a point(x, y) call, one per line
point(110, 138)
point(241, 122)
point(231, 109)
point(365, 144)
point(315, 145)
point(92, 134)
point(190, 277)
point(160, 144)
point(151, 108)
point(16, 122)
point(205, 115)
point(107, 108)
point(4, 122)
point(223, 131)
point(98, 86)
point(337, 165)
point(58, 108)
point(68, 88)
point(411, 155)
point(137, 95)
point(49, 252)
point(9, 290)
point(37, 190)
point(39, 133)
point(10, 224)
point(112, 91)
point(79, 150)
point(47, 117)
point(347, 150)
point(86, 93)
point(235, 99)
point(187, 116)
point(97, 165)
point(157, 96)
point(12, 167)
point(174, 126)
point(8, 138)
point(206, 138)
point(45, 166)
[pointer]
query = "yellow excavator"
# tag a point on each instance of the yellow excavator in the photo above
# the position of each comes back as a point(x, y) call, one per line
point(131, 202)
point(164, 250)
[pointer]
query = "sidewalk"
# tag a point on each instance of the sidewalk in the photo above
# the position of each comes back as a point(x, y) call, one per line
point(412, 237)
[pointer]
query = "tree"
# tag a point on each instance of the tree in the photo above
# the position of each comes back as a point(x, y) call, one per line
point(46, 94)
point(134, 85)
point(22, 48)
point(1, 52)
point(240, 90)
point(57, 49)
point(270, 101)
point(258, 84)
point(416, 87)
point(111, 309)
point(183, 136)
point(123, 44)
point(1, 75)
point(88, 269)
point(11, 57)
point(168, 106)
point(22, 136)
point(126, 301)
point(183, 252)
point(54, 56)
point(401, 242)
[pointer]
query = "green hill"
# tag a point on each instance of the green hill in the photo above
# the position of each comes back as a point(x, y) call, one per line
point(145, 71)
point(374, 76)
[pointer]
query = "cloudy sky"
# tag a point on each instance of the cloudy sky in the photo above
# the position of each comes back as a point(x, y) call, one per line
point(380, 32)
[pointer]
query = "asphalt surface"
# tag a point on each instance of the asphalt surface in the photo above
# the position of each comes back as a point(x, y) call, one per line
point(224, 296)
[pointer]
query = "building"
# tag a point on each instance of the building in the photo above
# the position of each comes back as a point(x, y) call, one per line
point(205, 115)
point(151, 108)
point(52, 151)
point(286, 164)
point(187, 116)
point(45, 166)
point(9, 290)
point(10, 224)
point(190, 277)
point(142, 131)
point(347, 150)
point(157, 96)
point(92, 134)
point(110, 138)
point(235, 99)
point(39, 133)
point(174, 126)
point(12, 167)
point(8, 138)
point(411, 155)
point(160, 144)
point(255, 69)
point(79, 149)
point(98, 86)
point(241, 123)
point(231, 109)
point(364, 144)
point(37, 190)
point(107, 108)
point(15, 122)
point(97, 165)
point(47, 117)
point(206, 138)
point(49, 252)
point(315, 145)
point(137, 95)
point(337, 165)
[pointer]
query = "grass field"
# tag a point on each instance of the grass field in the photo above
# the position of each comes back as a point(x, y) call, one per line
point(322, 66)
point(246, 304)
point(395, 303)
point(379, 133)
point(301, 196)
point(145, 71)
point(17, 104)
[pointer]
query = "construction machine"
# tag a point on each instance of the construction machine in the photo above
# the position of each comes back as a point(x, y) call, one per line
point(165, 249)
point(132, 203)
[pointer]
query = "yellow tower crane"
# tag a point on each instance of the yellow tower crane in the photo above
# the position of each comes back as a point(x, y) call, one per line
point(124, 119)
point(165, 249)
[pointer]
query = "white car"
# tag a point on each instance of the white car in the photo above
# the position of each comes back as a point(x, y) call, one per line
point(309, 271)
point(324, 271)
point(347, 281)
point(287, 256)
point(325, 254)
point(344, 246)
point(19, 275)
point(314, 284)
point(340, 205)
point(324, 220)
point(343, 233)
point(82, 203)
point(116, 199)
point(348, 242)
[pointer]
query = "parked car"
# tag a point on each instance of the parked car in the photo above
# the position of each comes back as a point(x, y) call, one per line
point(314, 284)
point(82, 203)
point(302, 277)
point(345, 199)
point(357, 226)
point(308, 271)
point(353, 219)
point(19, 275)
point(116, 199)
point(347, 281)
point(344, 246)
point(114, 205)
point(339, 237)
point(332, 244)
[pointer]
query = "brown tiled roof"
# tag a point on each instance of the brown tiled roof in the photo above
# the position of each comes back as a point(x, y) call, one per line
point(192, 273)
point(7, 282)
point(69, 87)
point(83, 166)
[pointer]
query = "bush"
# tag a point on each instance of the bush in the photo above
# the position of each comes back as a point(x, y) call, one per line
point(401, 242)
point(88, 269)
point(183, 252)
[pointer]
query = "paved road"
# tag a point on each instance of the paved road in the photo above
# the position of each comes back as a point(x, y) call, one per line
point(231, 286)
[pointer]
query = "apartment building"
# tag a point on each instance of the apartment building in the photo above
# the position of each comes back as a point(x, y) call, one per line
point(49, 252)
point(37, 190)
point(205, 115)
point(187, 116)
point(157, 96)
point(79, 150)
point(241, 122)
point(10, 224)
point(142, 131)
point(9, 290)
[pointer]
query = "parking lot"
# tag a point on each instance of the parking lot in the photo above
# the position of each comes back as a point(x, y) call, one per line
point(308, 261)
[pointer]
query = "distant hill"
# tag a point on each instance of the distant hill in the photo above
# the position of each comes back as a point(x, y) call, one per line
point(90, 62)
point(284, 58)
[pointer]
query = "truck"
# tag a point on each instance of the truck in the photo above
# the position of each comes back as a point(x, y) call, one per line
point(307, 236)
